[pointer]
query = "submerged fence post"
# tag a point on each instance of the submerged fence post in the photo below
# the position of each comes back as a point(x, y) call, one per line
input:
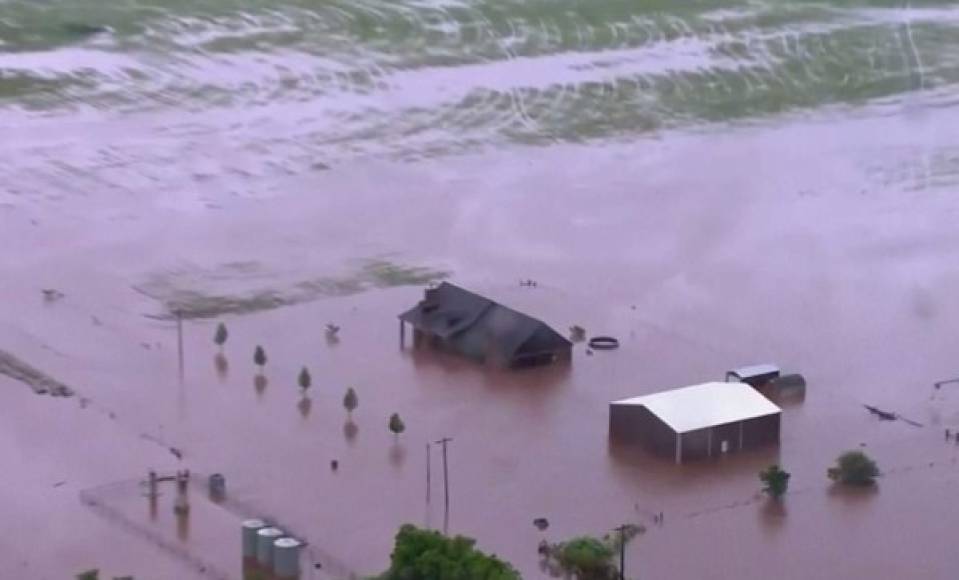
point(179, 340)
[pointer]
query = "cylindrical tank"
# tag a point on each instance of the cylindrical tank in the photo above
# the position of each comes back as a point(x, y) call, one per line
point(217, 486)
point(264, 546)
point(286, 558)
point(250, 528)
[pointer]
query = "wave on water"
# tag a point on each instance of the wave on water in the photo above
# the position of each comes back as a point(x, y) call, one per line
point(414, 78)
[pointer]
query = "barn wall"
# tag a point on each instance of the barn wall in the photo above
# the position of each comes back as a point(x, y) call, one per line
point(756, 433)
point(728, 432)
point(635, 424)
point(761, 431)
point(695, 444)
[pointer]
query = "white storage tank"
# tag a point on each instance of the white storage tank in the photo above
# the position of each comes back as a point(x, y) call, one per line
point(264, 546)
point(250, 528)
point(286, 558)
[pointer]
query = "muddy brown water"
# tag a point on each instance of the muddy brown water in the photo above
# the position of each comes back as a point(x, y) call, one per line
point(825, 246)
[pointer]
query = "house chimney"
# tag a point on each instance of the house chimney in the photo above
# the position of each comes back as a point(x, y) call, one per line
point(430, 300)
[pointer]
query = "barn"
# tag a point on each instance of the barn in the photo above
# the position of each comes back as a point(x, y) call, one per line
point(698, 421)
point(453, 319)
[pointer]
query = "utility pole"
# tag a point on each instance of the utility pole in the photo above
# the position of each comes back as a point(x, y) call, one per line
point(622, 550)
point(427, 473)
point(446, 482)
point(179, 339)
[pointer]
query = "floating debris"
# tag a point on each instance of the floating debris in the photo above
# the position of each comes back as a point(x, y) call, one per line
point(890, 416)
point(884, 415)
point(52, 294)
point(603, 343)
point(577, 333)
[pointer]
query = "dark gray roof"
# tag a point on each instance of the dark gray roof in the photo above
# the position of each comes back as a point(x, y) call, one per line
point(765, 371)
point(477, 326)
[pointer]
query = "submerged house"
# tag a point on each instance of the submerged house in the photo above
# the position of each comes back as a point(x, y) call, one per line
point(698, 421)
point(457, 320)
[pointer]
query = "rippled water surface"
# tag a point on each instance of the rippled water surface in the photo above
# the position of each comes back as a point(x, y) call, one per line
point(413, 78)
point(716, 183)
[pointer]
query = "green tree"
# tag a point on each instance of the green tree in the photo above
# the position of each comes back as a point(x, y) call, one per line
point(396, 424)
point(259, 357)
point(221, 335)
point(584, 558)
point(589, 558)
point(304, 380)
point(428, 555)
point(775, 481)
point(350, 400)
point(854, 468)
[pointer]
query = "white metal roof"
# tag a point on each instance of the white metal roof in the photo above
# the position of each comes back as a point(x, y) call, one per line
point(699, 406)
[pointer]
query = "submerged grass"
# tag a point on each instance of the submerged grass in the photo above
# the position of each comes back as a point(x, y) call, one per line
point(198, 295)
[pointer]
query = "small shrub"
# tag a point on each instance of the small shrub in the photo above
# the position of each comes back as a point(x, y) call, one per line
point(259, 357)
point(221, 335)
point(304, 380)
point(854, 468)
point(775, 481)
point(396, 424)
point(350, 400)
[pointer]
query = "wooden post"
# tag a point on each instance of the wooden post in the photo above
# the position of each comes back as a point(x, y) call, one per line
point(622, 551)
point(446, 484)
point(427, 471)
point(179, 339)
point(402, 334)
point(679, 448)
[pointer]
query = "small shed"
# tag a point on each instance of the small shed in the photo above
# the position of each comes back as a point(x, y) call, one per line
point(755, 375)
point(457, 320)
point(698, 421)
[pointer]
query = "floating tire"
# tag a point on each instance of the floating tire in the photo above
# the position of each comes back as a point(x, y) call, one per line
point(603, 343)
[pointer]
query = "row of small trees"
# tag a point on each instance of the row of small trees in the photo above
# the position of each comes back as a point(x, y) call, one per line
point(350, 400)
point(853, 468)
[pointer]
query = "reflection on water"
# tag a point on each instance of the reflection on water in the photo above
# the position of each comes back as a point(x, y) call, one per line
point(183, 527)
point(397, 454)
point(222, 365)
point(772, 515)
point(350, 431)
point(260, 383)
point(304, 406)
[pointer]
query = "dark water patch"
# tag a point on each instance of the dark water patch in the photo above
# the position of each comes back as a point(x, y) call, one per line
point(40, 382)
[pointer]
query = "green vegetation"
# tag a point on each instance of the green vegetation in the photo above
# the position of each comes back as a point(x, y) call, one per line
point(259, 357)
point(775, 481)
point(221, 335)
point(396, 424)
point(350, 400)
point(304, 380)
point(854, 468)
point(428, 555)
point(589, 558)
point(95, 575)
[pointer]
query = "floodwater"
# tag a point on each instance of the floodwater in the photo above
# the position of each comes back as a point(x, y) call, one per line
point(716, 184)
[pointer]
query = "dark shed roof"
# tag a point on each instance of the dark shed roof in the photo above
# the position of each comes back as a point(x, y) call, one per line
point(479, 327)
